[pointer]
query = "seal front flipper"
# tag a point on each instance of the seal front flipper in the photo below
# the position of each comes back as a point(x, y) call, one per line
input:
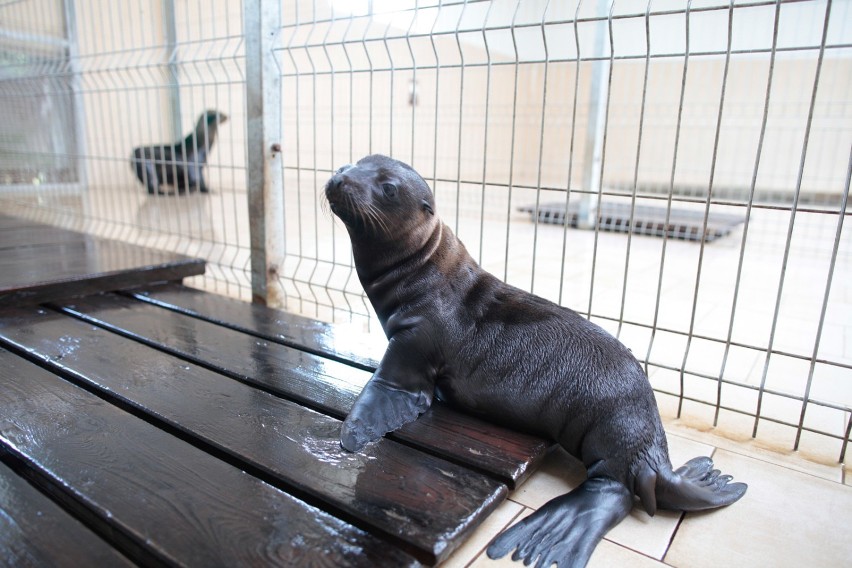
point(399, 391)
point(696, 486)
point(566, 529)
point(381, 408)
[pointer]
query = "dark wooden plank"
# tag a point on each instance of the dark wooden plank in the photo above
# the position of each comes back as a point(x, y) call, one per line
point(87, 265)
point(332, 341)
point(12, 237)
point(508, 455)
point(162, 500)
point(13, 221)
point(325, 385)
point(421, 502)
point(35, 531)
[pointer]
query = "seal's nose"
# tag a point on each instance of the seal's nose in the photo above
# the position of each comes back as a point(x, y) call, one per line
point(337, 178)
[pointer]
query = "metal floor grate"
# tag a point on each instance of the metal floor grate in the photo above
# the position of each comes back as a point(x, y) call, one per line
point(644, 220)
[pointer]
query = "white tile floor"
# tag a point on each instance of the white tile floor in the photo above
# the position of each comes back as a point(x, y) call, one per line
point(796, 513)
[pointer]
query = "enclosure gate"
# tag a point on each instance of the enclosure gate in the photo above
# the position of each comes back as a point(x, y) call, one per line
point(677, 171)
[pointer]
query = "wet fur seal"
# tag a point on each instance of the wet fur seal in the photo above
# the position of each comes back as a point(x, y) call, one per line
point(180, 164)
point(458, 333)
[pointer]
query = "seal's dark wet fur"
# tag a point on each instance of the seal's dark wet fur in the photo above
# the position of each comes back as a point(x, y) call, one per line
point(457, 332)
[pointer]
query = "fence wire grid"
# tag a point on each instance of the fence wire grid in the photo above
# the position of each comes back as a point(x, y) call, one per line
point(676, 171)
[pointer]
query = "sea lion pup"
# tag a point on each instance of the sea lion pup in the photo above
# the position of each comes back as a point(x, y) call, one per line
point(180, 164)
point(457, 332)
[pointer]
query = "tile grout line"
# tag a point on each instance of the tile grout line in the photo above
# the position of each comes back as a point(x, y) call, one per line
point(674, 535)
point(634, 551)
point(680, 520)
point(509, 523)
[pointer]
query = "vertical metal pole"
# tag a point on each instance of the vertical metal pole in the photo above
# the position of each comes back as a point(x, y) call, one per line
point(265, 183)
point(74, 82)
point(170, 31)
point(597, 175)
point(595, 127)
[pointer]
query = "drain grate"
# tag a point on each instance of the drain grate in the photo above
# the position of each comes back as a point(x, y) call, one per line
point(647, 220)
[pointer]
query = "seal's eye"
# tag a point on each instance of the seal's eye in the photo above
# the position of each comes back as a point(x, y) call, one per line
point(389, 189)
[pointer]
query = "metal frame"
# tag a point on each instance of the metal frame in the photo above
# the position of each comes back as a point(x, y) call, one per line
point(71, 72)
point(265, 188)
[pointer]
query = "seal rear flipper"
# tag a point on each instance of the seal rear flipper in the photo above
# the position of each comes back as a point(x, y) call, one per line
point(696, 486)
point(380, 409)
point(566, 529)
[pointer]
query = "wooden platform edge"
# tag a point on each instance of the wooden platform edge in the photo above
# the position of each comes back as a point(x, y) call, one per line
point(87, 285)
point(54, 263)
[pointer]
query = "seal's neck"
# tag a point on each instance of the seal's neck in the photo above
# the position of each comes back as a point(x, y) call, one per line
point(202, 137)
point(384, 268)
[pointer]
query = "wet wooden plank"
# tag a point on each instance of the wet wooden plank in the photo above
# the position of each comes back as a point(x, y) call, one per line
point(333, 341)
point(86, 265)
point(29, 236)
point(13, 222)
point(326, 385)
point(424, 504)
point(36, 532)
point(41, 262)
point(163, 501)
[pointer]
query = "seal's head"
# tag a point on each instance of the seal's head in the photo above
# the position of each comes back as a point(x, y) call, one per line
point(380, 198)
point(213, 117)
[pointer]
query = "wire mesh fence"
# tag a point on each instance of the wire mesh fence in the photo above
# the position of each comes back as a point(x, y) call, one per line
point(676, 171)
point(84, 83)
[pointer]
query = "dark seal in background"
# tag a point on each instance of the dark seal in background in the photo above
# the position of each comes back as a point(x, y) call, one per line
point(181, 164)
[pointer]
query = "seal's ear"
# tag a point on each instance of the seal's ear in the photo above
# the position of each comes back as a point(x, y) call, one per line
point(428, 207)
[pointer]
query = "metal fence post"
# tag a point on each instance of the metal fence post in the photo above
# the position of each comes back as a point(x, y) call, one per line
point(596, 125)
point(265, 184)
point(170, 31)
point(74, 82)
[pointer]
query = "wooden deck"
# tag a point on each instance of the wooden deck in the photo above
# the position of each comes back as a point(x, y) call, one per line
point(39, 263)
point(163, 425)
